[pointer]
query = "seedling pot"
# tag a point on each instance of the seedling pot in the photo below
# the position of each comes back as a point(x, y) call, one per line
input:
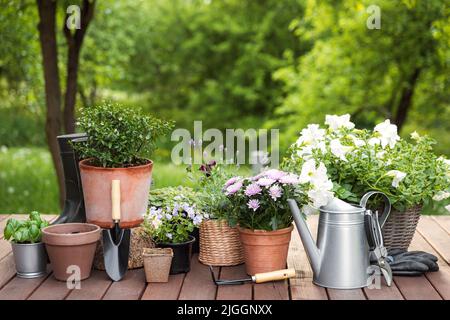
point(182, 253)
point(135, 185)
point(265, 251)
point(30, 259)
point(157, 262)
point(71, 246)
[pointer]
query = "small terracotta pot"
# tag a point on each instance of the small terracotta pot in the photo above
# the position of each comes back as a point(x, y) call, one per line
point(265, 251)
point(134, 188)
point(71, 244)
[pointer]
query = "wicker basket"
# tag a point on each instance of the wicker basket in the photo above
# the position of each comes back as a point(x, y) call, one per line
point(220, 244)
point(399, 228)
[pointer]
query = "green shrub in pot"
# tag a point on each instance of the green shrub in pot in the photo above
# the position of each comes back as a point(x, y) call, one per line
point(119, 146)
point(29, 252)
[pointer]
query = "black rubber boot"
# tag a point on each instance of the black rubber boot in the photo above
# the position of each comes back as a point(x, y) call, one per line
point(74, 210)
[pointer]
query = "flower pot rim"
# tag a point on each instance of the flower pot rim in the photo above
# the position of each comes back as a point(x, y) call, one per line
point(191, 240)
point(163, 252)
point(265, 232)
point(84, 164)
point(52, 238)
point(96, 229)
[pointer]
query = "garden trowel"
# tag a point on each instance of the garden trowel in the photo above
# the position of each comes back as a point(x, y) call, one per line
point(116, 241)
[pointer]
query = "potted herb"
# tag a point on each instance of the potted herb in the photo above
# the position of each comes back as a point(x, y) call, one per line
point(220, 244)
point(170, 224)
point(407, 171)
point(261, 211)
point(28, 250)
point(119, 146)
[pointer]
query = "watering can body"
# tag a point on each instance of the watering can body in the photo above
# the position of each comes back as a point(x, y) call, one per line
point(340, 259)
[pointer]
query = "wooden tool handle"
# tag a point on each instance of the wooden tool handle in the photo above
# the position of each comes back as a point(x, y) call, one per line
point(115, 200)
point(274, 275)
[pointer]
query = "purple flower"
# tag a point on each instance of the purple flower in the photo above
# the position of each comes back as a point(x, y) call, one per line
point(265, 182)
point(168, 216)
point(197, 220)
point(275, 174)
point(252, 189)
point(253, 204)
point(232, 189)
point(275, 192)
point(231, 181)
point(289, 179)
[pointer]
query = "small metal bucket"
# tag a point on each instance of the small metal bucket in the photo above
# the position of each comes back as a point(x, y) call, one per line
point(31, 259)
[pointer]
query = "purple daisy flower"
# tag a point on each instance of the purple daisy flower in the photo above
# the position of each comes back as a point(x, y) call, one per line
point(253, 204)
point(275, 174)
point(252, 189)
point(265, 182)
point(275, 192)
point(232, 189)
point(289, 179)
point(231, 181)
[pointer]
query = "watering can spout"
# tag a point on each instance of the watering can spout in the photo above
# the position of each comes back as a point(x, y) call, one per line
point(308, 242)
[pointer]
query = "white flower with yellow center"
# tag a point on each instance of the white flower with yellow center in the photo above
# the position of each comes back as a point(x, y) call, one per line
point(397, 176)
point(311, 136)
point(336, 122)
point(387, 133)
point(338, 149)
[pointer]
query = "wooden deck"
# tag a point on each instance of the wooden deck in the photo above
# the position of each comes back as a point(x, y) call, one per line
point(433, 236)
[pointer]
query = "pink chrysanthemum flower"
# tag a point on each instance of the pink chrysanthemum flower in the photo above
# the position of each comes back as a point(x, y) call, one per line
point(265, 182)
point(275, 174)
point(253, 204)
point(232, 189)
point(252, 189)
point(275, 192)
point(290, 179)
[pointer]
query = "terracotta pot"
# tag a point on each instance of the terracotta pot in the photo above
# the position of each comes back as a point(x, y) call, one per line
point(265, 251)
point(71, 244)
point(134, 188)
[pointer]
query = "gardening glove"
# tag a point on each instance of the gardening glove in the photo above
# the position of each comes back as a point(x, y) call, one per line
point(413, 263)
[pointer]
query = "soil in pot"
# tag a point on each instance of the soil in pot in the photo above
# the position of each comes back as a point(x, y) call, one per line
point(265, 251)
point(182, 254)
point(30, 259)
point(157, 262)
point(71, 244)
point(134, 187)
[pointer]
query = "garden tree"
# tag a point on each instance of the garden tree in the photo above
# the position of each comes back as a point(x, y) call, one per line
point(370, 73)
point(212, 60)
point(48, 39)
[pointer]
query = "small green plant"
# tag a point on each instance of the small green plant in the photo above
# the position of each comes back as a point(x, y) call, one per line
point(25, 231)
point(119, 136)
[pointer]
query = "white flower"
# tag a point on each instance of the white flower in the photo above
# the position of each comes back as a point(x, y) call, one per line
point(441, 195)
point(338, 149)
point(374, 141)
point(445, 161)
point(357, 142)
point(317, 176)
point(336, 122)
point(319, 197)
point(380, 155)
point(397, 177)
point(388, 133)
point(447, 207)
point(311, 136)
point(415, 136)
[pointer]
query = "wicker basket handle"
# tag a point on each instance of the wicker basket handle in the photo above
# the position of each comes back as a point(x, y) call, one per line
point(387, 207)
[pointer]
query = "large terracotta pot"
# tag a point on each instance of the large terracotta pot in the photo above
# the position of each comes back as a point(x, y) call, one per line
point(134, 188)
point(265, 251)
point(71, 244)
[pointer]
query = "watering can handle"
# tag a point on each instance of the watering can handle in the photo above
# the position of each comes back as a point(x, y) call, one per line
point(387, 208)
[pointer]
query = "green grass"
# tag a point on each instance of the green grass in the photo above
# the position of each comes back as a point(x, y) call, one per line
point(28, 181)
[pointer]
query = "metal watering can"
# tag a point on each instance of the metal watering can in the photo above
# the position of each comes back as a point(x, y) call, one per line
point(348, 238)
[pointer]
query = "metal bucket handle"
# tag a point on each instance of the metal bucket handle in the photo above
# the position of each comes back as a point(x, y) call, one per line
point(387, 208)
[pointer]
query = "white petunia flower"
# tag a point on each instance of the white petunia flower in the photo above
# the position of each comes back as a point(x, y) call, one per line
point(415, 136)
point(357, 142)
point(319, 197)
point(388, 133)
point(447, 207)
point(311, 136)
point(441, 195)
point(374, 141)
point(338, 149)
point(336, 122)
point(397, 177)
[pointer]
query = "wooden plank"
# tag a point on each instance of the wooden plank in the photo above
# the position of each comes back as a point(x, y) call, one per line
point(304, 289)
point(416, 288)
point(198, 277)
point(384, 293)
point(436, 236)
point(3, 216)
point(93, 288)
point(353, 294)
point(5, 248)
point(297, 257)
point(164, 291)
point(51, 289)
point(277, 290)
point(234, 292)
point(130, 287)
point(443, 221)
point(19, 288)
point(440, 280)
point(7, 269)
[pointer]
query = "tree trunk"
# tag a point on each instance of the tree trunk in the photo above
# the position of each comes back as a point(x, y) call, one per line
point(47, 37)
point(406, 99)
point(74, 43)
